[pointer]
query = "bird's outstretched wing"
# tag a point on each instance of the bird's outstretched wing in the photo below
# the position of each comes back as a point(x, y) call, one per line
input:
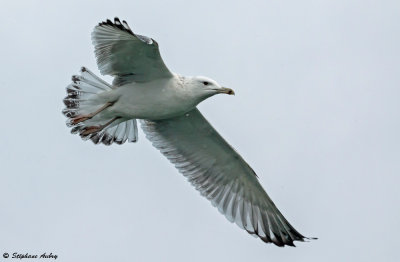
point(126, 55)
point(221, 175)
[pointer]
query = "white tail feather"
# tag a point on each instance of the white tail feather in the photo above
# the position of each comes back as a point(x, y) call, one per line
point(82, 99)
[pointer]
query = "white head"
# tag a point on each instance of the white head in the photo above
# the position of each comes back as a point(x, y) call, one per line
point(202, 87)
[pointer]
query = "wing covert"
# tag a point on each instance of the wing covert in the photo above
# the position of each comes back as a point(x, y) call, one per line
point(126, 55)
point(220, 174)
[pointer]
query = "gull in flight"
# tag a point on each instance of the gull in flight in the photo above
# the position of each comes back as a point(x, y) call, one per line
point(165, 103)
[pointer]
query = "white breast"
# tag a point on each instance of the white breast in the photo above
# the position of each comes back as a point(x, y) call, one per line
point(158, 99)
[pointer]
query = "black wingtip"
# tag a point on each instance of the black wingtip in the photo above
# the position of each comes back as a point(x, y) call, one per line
point(117, 24)
point(311, 238)
point(117, 21)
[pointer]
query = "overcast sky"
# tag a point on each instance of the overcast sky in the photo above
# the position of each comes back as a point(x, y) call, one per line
point(316, 114)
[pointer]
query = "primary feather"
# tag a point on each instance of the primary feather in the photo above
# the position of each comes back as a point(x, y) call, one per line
point(123, 54)
point(221, 175)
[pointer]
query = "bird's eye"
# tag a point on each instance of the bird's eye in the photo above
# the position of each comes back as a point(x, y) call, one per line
point(205, 83)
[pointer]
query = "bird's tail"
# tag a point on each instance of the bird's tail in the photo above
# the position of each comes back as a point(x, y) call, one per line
point(83, 110)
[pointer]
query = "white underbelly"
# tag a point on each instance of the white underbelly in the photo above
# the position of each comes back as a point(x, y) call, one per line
point(149, 102)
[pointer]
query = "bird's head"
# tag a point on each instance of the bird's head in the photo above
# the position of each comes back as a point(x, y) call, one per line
point(204, 87)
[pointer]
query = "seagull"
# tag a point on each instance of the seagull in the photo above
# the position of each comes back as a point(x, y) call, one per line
point(165, 103)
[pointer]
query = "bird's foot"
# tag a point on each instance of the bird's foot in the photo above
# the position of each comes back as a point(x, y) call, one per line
point(91, 129)
point(81, 118)
point(78, 119)
point(95, 129)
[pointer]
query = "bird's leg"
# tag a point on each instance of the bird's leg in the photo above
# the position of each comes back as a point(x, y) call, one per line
point(82, 118)
point(94, 129)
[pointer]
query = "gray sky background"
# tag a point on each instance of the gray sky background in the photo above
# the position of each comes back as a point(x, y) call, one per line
point(316, 114)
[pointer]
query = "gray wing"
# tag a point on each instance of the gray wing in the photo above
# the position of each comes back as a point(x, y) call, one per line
point(128, 56)
point(221, 175)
